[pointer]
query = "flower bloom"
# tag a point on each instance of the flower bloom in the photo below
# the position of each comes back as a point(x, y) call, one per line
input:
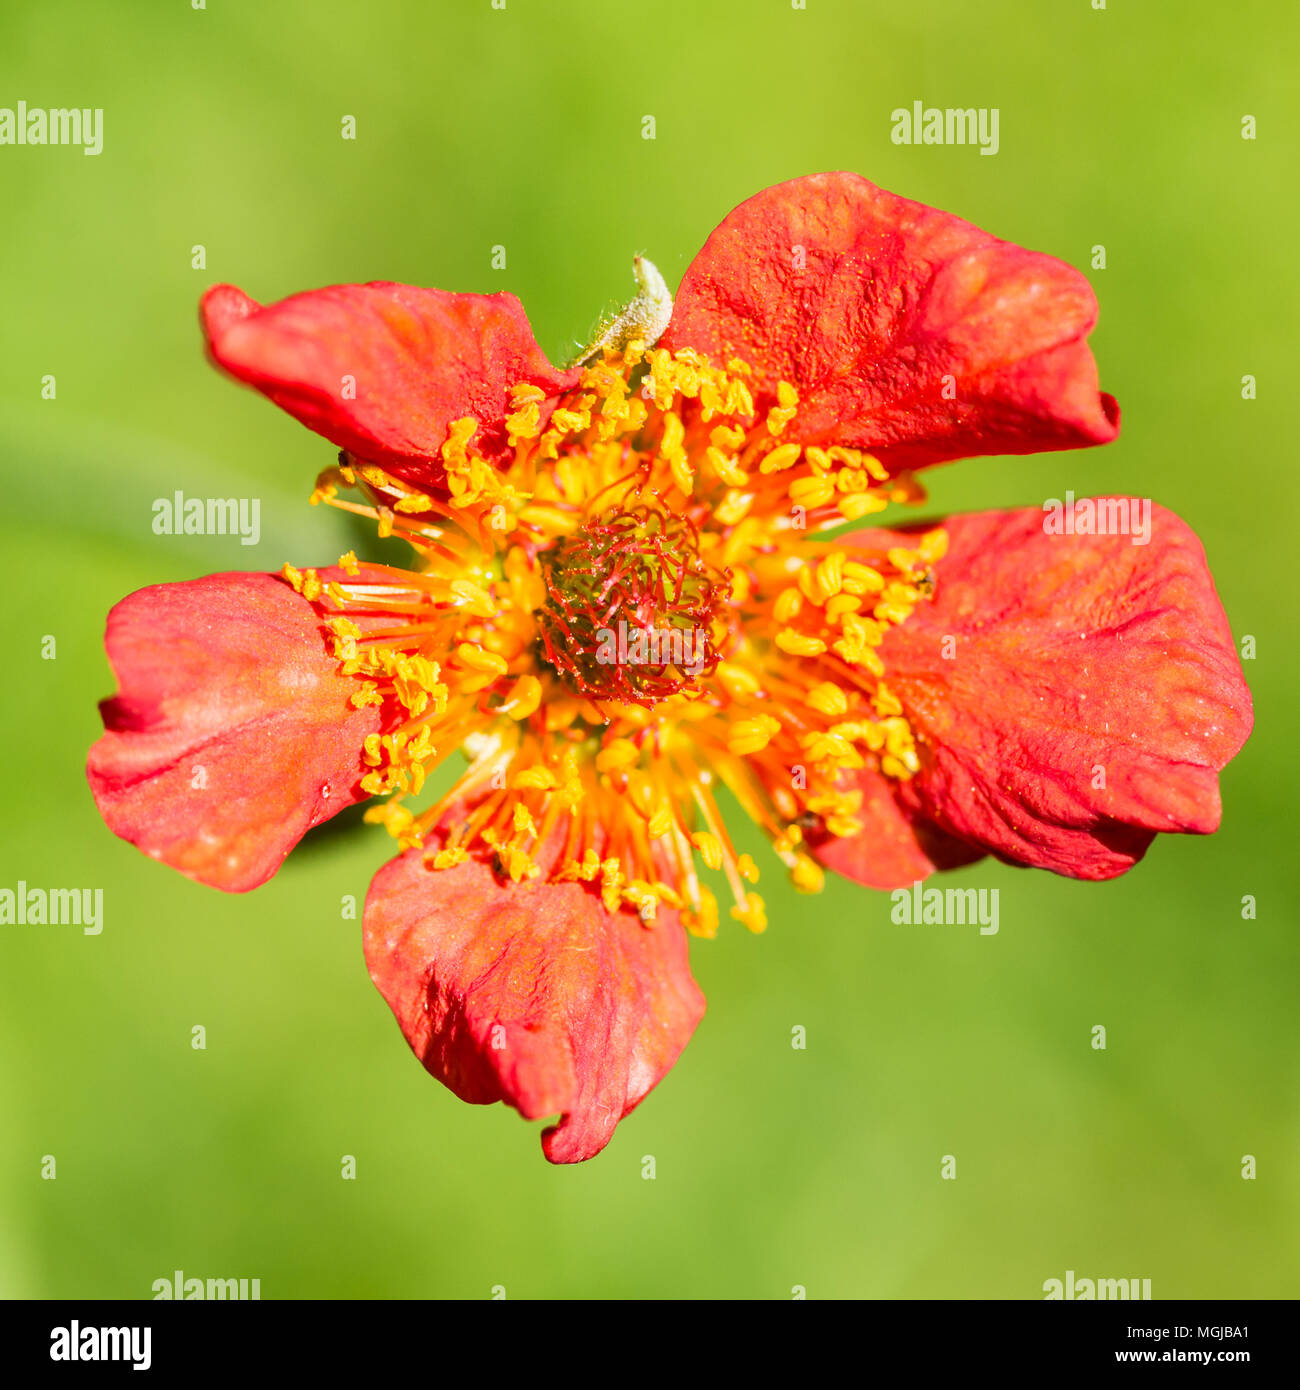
point(624, 589)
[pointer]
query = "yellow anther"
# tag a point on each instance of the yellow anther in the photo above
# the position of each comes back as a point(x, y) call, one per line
point(886, 702)
point(787, 605)
point(830, 748)
point(618, 754)
point(893, 611)
point(473, 597)
point(752, 735)
point(841, 604)
point(785, 409)
point(807, 875)
point(550, 520)
point(683, 474)
point(726, 467)
point(448, 858)
point(799, 643)
point(524, 423)
point(733, 507)
point(674, 433)
point(862, 579)
point(519, 865)
point(642, 793)
point(459, 433)
point(933, 546)
point(534, 779)
point(818, 458)
point(810, 586)
point(811, 492)
point(739, 400)
point(392, 815)
point(487, 663)
point(524, 698)
point(828, 699)
point(874, 466)
point(368, 694)
point(830, 573)
point(726, 437)
point(710, 848)
point(703, 922)
point(413, 502)
point(869, 661)
point(782, 457)
point(752, 913)
point(737, 680)
point(570, 421)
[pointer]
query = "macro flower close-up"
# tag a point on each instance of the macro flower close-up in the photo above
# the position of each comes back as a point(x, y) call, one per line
point(635, 597)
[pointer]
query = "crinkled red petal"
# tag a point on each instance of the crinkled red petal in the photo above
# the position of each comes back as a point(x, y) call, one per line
point(531, 993)
point(382, 369)
point(906, 331)
point(1071, 695)
point(231, 734)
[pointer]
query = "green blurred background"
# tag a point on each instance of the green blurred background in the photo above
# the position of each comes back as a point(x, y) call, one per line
point(775, 1167)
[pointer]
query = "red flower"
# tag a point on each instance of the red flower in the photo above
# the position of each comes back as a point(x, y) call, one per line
point(622, 596)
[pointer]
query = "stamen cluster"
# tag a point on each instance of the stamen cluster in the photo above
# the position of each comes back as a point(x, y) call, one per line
point(654, 497)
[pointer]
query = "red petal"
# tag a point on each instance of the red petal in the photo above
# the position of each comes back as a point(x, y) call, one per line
point(1069, 654)
point(892, 298)
point(229, 674)
point(531, 993)
point(894, 848)
point(419, 359)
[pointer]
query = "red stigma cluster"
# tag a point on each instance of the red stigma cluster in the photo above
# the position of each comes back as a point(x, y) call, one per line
point(632, 614)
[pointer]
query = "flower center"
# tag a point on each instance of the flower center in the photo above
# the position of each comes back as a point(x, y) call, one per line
point(632, 613)
point(631, 609)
